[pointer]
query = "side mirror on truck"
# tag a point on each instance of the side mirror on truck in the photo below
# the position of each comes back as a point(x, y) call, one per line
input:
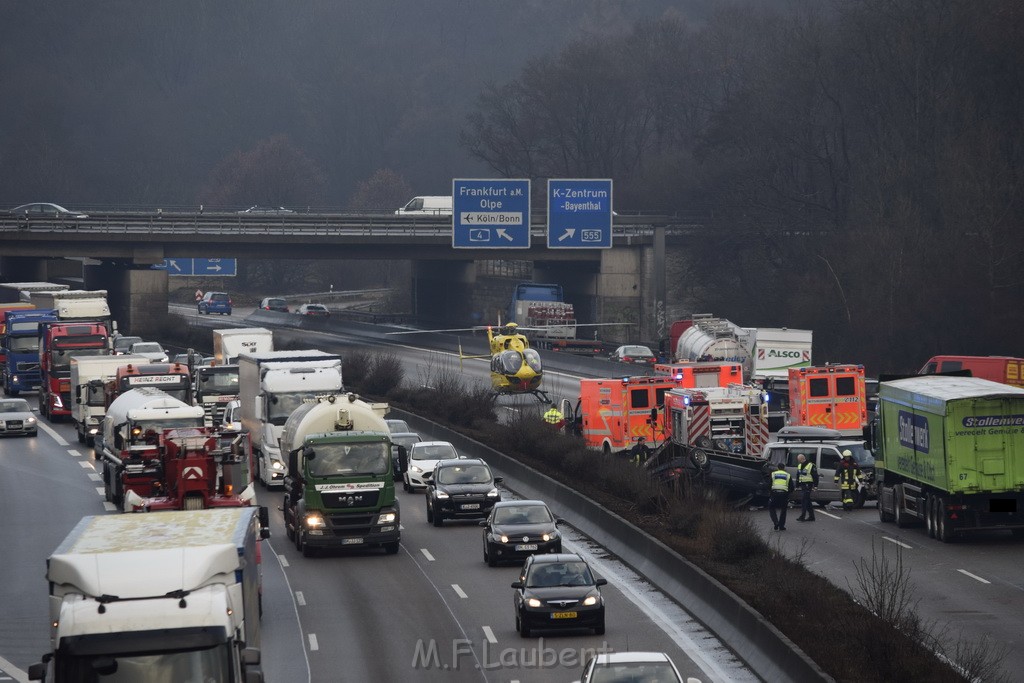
point(264, 516)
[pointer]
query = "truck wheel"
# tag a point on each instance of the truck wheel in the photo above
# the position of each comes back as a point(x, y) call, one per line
point(298, 534)
point(289, 531)
point(902, 518)
point(942, 531)
point(929, 517)
point(883, 516)
point(391, 548)
point(79, 434)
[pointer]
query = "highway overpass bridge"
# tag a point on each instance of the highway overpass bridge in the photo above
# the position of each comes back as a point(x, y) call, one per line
point(623, 284)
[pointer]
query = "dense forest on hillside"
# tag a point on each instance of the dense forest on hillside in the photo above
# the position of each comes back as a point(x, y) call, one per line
point(858, 162)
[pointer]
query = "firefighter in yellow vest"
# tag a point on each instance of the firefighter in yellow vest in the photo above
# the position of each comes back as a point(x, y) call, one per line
point(848, 478)
point(806, 481)
point(778, 498)
point(554, 417)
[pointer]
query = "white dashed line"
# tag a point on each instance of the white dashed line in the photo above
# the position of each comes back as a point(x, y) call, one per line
point(426, 554)
point(300, 598)
point(828, 514)
point(86, 464)
point(899, 543)
point(313, 645)
point(458, 591)
point(102, 491)
point(95, 476)
point(283, 560)
point(973, 576)
point(72, 451)
point(109, 507)
point(489, 634)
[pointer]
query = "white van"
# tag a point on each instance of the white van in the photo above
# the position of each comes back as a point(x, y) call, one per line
point(427, 206)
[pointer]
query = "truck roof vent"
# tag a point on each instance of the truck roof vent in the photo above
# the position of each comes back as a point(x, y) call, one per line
point(344, 421)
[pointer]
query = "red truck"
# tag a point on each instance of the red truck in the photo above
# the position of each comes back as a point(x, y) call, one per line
point(58, 343)
point(1005, 369)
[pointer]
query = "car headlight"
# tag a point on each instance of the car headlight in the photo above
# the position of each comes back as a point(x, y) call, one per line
point(315, 521)
point(31, 420)
point(504, 539)
point(493, 493)
point(591, 601)
point(550, 536)
point(533, 602)
point(416, 469)
point(387, 518)
point(442, 494)
point(277, 465)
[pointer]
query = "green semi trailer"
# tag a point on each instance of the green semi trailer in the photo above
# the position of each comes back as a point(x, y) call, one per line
point(950, 454)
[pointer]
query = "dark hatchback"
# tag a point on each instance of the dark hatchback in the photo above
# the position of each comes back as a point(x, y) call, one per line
point(558, 592)
point(517, 529)
point(461, 489)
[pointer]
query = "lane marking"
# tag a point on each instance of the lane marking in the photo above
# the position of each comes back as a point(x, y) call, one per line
point(74, 452)
point(899, 543)
point(283, 560)
point(973, 576)
point(53, 434)
point(109, 507)
point(828, 514)
point(300, 598)
point(86, 465)
point(458, 591)
point(295, 608)
point(13, 671)
point(313, 645)
point(95, 476)
point(489, 634)
point(426, 554)
point(102, 491)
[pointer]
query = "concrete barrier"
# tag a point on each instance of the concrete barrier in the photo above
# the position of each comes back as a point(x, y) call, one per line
point(765, 649)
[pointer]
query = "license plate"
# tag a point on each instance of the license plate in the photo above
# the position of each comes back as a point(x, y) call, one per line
point(527, 546)
point(351, 541)
point(470, 506)
point(563, 615)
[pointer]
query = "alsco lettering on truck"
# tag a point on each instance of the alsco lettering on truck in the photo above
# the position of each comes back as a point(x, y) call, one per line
point(58, 343)
point(1005, 369)
point(951, 454)
point(340, 486)
point(20, 367)
point(830, 396)
point(700, 375)
point(613, 413)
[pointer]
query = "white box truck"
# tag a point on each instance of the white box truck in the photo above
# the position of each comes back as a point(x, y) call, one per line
point(89, 375)
point(230, 343)
point(167, 596)
point(74, 304)
point(270, 386)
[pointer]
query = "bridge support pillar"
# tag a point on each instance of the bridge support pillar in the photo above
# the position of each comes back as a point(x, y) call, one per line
point(23, 269)
point(137, 296)
point(442, 291)
point(624, 293)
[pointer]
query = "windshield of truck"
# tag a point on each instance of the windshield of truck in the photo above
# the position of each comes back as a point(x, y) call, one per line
point(157, 425)
point(218, 382)
point(280, 406)
point(23, 344)
point(60, 359)
point(198, 666)
point(350, 459)
point(95, 395)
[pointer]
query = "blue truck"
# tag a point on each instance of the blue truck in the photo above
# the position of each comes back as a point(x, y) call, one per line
point(550, 319)
point(20, 369)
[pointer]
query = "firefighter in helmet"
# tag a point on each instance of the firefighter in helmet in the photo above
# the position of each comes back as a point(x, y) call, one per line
point(848, 479)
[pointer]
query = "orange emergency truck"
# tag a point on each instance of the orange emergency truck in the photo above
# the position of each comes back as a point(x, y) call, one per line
point(830, 396)
point(702, 375)
point(612, 414)
point(1005, 369)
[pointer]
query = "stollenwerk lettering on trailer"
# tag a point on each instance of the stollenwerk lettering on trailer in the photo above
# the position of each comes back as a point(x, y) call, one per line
point(490, 214)
point(579, 214)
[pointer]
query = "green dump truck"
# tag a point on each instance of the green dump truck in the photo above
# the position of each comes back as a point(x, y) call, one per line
point(950, 454)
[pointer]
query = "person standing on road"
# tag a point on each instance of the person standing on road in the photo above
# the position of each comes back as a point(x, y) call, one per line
point(848, 478)
point(554, 417)
point(199, 295)
point(782, 486)
point(807, 480)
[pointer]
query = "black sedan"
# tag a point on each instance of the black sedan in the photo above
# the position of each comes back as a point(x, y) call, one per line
point(461, 489)
point(558, 591)
point(517, 529)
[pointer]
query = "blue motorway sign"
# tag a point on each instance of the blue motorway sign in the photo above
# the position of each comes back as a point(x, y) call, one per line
point(579, 214)
point(491, 214)
point(223, 267)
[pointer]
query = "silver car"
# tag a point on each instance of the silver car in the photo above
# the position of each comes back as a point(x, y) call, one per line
point(16, 418)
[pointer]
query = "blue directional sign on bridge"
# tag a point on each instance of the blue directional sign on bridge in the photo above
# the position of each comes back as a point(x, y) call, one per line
point(579, 214)
point(491, 214)
point(207, 267)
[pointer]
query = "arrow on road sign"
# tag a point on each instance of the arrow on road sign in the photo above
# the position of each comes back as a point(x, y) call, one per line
point(174, 264)
point(504, 235)
point(569, 232)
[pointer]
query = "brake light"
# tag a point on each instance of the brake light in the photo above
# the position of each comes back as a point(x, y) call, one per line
point(626, 359)
point(229, 302)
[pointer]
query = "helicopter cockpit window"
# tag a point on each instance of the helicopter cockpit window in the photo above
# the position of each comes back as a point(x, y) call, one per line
point(508, 362)
point(532, 359)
